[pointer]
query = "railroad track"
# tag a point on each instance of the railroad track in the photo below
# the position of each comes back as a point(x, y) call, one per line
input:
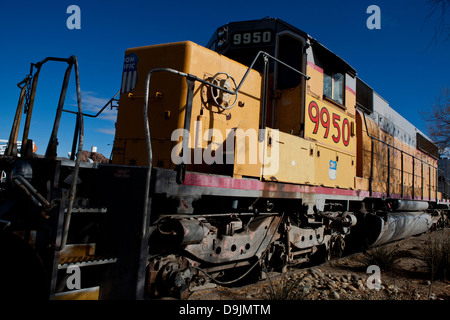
point(217, 290)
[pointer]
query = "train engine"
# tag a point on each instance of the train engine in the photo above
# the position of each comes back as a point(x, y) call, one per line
point(273, 156)
point(261, 151)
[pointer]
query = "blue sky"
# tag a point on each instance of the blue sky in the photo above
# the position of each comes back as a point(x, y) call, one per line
point(400, 60)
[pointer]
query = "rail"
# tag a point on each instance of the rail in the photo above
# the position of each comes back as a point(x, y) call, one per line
point(109, 103)
point(26, 103)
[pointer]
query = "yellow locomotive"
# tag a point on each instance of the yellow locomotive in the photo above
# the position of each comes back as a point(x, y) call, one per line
point(259, 151)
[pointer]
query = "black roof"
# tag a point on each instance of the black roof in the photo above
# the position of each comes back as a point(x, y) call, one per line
point(319, 48)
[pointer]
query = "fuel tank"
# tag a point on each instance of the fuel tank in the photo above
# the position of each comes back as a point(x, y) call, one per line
point(395, 226)
point(407, 205)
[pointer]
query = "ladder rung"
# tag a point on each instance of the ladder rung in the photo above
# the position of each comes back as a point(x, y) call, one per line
point(85, 261)
point(88, 210)
point(81, 294)
point(77, 250)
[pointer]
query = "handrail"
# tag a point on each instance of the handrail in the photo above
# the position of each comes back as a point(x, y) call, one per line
point(110, 102)
point(100, 111)
point(51, 148)
point(402, 152)
point(73, 186)
point(386, 143)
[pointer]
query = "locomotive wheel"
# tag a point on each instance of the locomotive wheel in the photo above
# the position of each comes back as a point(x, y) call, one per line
point(172, 279)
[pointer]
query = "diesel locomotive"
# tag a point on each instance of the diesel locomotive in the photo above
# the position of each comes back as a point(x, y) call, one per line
point(259, 151)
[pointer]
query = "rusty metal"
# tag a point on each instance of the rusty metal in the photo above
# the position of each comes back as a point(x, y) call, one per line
point(51, 151)
point(247, 243)
point(302, 238)
point(73, 186)
point(221, 244)
point(31, 192)
point(29, 111)
point(29, 97)
point(12, 142)
point(182, 231)
point(75, 138)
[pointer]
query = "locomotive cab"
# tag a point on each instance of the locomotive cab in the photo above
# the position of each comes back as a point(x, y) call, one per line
point(316, 111)
point(242, 41)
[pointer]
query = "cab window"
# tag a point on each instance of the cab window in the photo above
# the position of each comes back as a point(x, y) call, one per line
point(333, 86)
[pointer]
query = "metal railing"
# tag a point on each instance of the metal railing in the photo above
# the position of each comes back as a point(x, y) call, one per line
point(402, 152)
point(26, 103)
point(77, 127)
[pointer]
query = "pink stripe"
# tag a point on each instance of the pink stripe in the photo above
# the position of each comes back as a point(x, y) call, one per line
point(351, 90)
point(209, 181)
point(312, 65)
point(200, 180)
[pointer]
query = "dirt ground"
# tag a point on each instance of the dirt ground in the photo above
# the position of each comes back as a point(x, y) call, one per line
point(346, 279)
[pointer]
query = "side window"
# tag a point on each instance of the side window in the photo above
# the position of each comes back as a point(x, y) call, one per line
point(290, 51)
point(333, 86)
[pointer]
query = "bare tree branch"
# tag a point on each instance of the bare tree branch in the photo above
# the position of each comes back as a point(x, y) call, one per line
point(442, 29)
point(437, 118)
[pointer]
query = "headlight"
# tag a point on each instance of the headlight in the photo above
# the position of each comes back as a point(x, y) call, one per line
point(221, 32)
point(222, 35)
point(220, 43)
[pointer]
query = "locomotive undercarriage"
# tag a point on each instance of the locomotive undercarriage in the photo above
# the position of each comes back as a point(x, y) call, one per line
point(253, 235)
point(191, 250)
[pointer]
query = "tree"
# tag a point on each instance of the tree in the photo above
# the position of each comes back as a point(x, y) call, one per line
point(437, 119)
point(442, 9)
